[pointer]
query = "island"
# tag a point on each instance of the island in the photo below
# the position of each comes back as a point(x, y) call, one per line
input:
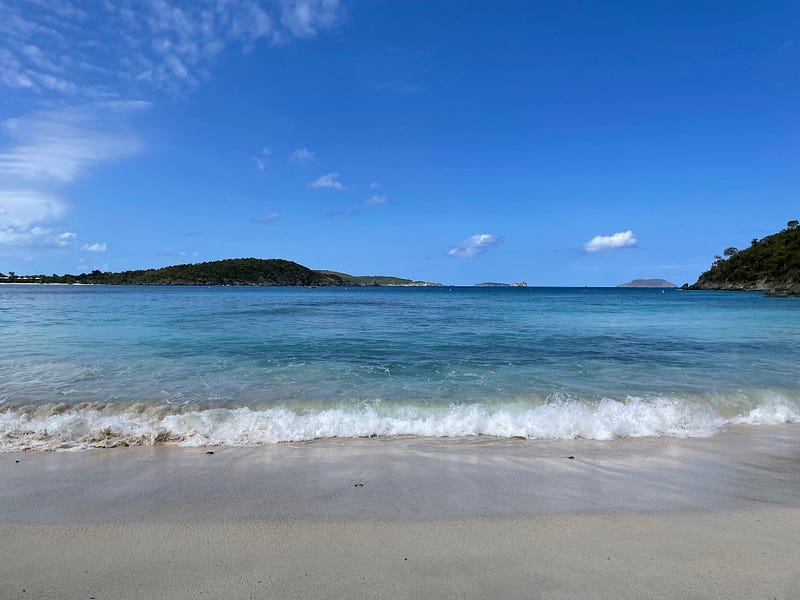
point(770, 264)
point(648, 283)
point(234, 271)
point(495, 284)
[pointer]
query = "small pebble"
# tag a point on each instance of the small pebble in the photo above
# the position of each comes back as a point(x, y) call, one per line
point(358, 484)
point(210, 452)
point(571, 457)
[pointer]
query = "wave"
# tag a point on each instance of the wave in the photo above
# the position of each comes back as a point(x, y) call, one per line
point(60, 426)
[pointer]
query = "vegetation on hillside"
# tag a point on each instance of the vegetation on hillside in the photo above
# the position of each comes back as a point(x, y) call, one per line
point(372, 280)
point(235, 271)
point(771, 263)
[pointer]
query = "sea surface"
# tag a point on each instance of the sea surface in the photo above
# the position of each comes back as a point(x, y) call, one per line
point(99, 366)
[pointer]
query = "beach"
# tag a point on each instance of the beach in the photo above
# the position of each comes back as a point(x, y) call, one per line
point(399, 300)
point(409, 517)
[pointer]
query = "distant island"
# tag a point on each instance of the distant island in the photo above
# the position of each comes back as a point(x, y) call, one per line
point(234, 271)
point(494, 284)
point(648, 283)
point(771, 264)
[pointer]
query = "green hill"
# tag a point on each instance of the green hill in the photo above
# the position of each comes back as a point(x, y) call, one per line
point(373, 280)
point(234, 271)
point(769, 264)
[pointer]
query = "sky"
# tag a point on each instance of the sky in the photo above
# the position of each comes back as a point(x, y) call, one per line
point(557, 143)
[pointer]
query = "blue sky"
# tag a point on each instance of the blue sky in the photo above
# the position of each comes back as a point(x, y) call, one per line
point(560, 143)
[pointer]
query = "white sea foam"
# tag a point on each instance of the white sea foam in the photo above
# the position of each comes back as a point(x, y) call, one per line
point(63, 427)
point(770, 414)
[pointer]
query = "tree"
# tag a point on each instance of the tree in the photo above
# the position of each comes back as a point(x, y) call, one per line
point(793, 224)
point(754, 241)
point(730, 251)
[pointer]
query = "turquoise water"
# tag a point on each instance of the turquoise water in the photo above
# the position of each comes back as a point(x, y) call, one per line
point(95, 365)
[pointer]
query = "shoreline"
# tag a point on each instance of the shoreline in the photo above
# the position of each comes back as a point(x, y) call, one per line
point(711, 517)
point(404, 478)
point(93, 424)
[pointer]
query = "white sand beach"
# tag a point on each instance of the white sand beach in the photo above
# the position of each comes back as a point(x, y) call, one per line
point(409, 518)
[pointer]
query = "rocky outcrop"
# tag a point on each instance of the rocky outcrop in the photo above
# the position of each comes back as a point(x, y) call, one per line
point(771, 264)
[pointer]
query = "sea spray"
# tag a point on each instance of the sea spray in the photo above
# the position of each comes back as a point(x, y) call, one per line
point(606, 419)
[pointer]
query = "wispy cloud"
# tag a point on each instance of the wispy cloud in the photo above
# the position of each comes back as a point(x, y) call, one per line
point(262, 157)
point(36, 236)
point(622, 239)
point(49, 149)
point(96, 247)
point(302, 156)
point(304, 18)
point(92, 58)
point(474, 245)
point(330, 180)
point(371, 201)
point(123, 46)
point(59, 146)
point(267, 218)
point(374, 185)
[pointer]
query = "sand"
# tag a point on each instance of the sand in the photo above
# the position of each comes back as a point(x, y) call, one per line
point(409, 518)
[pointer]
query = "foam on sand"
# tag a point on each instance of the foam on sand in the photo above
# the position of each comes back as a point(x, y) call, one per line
point(59, 426)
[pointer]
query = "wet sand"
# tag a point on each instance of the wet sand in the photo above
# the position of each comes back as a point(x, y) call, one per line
point(409, 518)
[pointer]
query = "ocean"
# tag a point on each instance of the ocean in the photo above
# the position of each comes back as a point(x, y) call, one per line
point(103, 366)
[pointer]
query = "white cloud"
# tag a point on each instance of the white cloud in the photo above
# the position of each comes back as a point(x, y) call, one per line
point(58, 146)
point(302, 156)
point(22, 211)
point(96, 247)
point(622, 239)
point(49, 149)
point(36, 236)
point(22, 208)
point(166, 45)
point(474, 245)
point(94, 59)
point(330, 180)
point(66, 238)
point(376, 200)
point(374, 185)
point(304, 18)
point(267, 218)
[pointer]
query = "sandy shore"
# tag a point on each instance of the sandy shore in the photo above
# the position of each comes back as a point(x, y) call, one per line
point(410, 518)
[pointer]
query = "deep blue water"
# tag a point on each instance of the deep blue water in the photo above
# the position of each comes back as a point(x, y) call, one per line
point(258, 365)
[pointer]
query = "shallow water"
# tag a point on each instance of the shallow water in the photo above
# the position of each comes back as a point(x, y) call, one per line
point(98, 365)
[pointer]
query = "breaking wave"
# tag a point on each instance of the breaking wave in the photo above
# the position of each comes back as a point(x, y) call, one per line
point(95, 425)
